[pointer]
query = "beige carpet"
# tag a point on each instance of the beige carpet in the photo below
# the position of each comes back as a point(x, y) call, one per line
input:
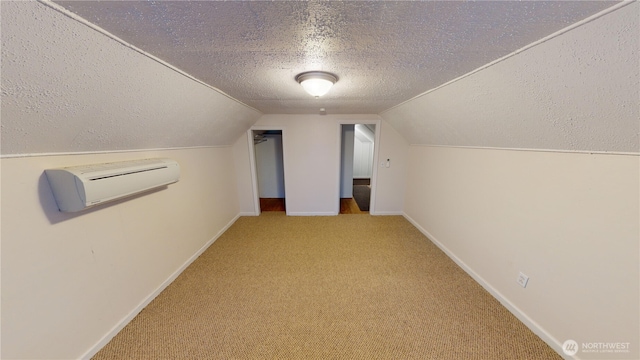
point(341, 287)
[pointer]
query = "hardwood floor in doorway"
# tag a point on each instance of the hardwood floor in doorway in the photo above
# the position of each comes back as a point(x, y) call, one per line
point(349, 206)
point(272, 204)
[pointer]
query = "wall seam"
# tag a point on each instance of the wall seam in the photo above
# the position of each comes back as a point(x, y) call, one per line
point(13, 156)
point(585, 152)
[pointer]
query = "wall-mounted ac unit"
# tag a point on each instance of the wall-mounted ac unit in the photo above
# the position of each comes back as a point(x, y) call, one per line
point(79, 187)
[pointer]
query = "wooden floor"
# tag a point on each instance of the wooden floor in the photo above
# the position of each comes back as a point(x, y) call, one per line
point(347, 206)
point(271, 204)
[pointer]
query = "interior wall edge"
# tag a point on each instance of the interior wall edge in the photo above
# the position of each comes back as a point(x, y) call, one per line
point(561, 151)
point(518, 313)
point(81, 20)
point(127, 319)
point(13, 156)
point(527, 47)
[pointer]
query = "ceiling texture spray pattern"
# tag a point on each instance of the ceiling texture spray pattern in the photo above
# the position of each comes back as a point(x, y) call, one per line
point(383, 52)
point(68, 88)
point(110, 75)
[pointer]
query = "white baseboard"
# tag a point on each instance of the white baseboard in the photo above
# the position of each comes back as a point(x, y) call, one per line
point(248, 213)
point(526, 320)
point(116, 329)
point(329, 213)
point(387, 213)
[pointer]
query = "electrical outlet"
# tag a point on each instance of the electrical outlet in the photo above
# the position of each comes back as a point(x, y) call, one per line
point(523, 280)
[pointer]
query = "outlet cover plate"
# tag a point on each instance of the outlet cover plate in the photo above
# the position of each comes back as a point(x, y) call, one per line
point(523, 280)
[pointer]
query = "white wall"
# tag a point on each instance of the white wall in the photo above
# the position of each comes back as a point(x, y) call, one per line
point(68, 280)
point(269, 167)
point(391, 181)
point(569, 221)
point(346, 162)
point(362, 159)
point(312, 163)
point(363, 152)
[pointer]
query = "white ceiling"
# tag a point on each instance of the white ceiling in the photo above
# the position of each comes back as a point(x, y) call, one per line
point(383, 52)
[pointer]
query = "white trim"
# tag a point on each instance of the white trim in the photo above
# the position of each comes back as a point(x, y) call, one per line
point(248, 213)
point(533, 150)
point(319, 213)
point(10, 156)
point(254, 173)
point(97, 28)
point(119, 326)
point(527, 47)
point(528, 322)
point(387, 213)
point(374, 175)
point(285, 141)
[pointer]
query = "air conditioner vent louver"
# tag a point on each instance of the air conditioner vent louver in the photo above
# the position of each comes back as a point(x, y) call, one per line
point(114, 165)
point(76, 188)
point(127, 173)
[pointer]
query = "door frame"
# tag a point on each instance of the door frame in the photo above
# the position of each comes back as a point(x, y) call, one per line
point(254, 169)
point(376, 150)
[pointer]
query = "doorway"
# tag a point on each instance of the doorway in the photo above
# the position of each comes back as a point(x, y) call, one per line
point(357, 152)
point(269, 170)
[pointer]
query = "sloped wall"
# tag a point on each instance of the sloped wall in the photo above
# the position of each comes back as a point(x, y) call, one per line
point(69, 88)
point(576, 91)
point(564, 216)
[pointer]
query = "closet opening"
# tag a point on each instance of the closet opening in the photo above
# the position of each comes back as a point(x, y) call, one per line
point(269, 170)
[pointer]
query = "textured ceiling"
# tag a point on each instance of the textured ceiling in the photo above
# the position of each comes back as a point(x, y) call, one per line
point(66, 88)
point(383, 52)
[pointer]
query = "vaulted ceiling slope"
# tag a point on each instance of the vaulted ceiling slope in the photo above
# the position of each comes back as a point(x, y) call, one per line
point(68, 88)
point(384, 52)
point(578, 91)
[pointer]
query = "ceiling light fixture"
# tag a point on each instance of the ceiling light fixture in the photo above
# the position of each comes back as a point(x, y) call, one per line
point(316, 83)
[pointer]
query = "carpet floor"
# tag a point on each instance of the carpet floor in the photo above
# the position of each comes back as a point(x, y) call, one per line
point(340, 287)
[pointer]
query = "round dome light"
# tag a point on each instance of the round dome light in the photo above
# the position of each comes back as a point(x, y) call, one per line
point(316, 83)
